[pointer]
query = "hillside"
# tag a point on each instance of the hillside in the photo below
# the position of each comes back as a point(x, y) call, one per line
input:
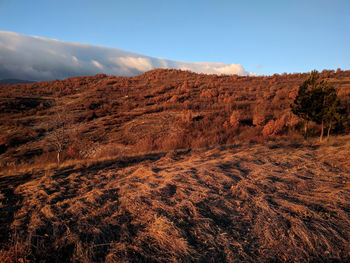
point(171, 166)
point(159, 110)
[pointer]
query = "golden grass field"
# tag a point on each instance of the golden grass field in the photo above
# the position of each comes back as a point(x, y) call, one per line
point(277, 201)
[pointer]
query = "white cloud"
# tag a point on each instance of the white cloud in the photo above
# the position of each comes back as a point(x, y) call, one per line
point(97, 64)
point(74, 58)
point(254, 74)
point(140, 64)
point(162, 63)
point(3, 46)
point(38, 58)
point(214, 68)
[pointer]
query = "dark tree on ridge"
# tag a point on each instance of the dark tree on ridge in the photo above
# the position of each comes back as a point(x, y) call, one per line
point(317, 101)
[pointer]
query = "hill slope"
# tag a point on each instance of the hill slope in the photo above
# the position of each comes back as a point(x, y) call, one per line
point(159, 110)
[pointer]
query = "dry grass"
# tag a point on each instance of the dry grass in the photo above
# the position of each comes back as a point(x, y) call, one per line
point(281, 201)
point(336, 152)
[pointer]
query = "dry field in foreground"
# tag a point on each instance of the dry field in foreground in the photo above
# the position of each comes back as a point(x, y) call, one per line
point(280, 201)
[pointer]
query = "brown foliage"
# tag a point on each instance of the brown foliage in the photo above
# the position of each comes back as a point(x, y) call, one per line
point(274, 127)
point(259, 119)
point(103, 108)
point(234, 119)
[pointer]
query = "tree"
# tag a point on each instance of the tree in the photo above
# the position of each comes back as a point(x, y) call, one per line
point(59, 136)
point(317, 101)
point(332, 113)
point(305, 105)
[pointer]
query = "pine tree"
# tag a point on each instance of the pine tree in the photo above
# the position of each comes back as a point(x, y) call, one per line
point(332, 113)
point(317, 101)
point(304, 105)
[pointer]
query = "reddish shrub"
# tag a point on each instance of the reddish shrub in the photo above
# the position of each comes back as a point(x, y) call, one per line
point(269, 129)
point(73, 152)
point(187, 116)
point(258, 119)
point(209, 93)
point(226, 124)
point(234, 119)
point(275, 127)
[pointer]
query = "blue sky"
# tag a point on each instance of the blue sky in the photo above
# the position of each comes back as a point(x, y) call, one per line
point(265, 37)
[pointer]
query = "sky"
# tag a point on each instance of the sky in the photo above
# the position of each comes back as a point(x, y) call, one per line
point(263, 37)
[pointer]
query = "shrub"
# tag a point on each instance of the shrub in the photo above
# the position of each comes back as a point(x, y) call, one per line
point(274, 127)
point(258, 119)
point(234, 119)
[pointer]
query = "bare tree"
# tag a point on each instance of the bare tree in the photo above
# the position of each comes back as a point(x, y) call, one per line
point(60, 134)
